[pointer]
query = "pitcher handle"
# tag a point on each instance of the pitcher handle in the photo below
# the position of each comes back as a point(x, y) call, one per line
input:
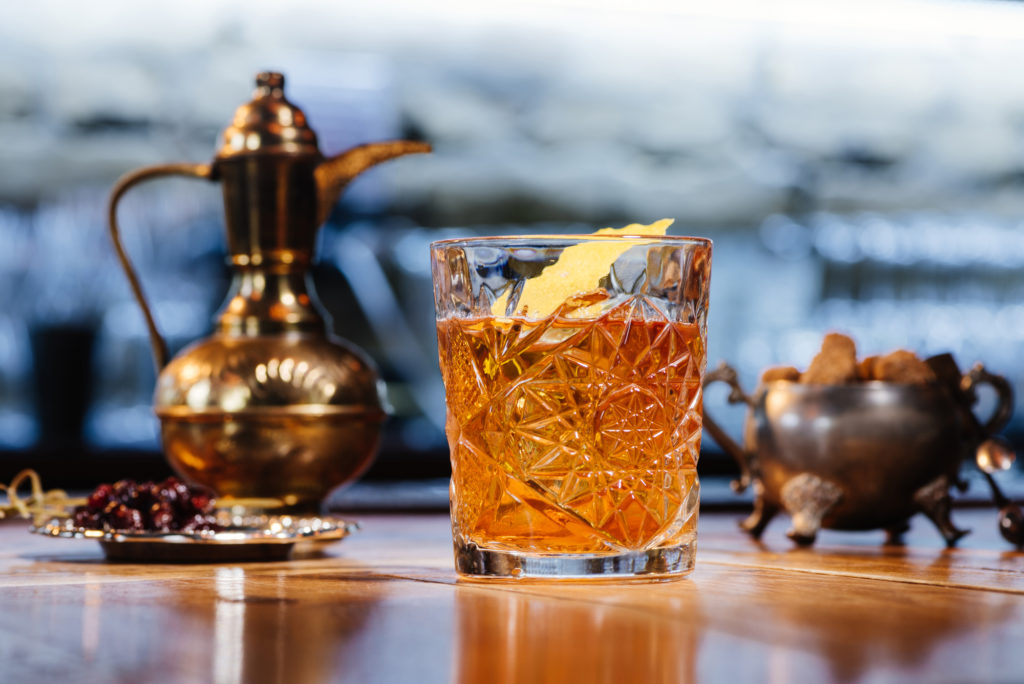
point(204, 171)
point(745, 459)
point(1003, 411)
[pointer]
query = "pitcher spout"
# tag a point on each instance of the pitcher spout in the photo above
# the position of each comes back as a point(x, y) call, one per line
point(334, 174)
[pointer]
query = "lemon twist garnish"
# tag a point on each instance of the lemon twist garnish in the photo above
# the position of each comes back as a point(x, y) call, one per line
point(577, 272)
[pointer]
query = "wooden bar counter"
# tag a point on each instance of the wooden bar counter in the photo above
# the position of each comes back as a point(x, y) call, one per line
point(385, 606)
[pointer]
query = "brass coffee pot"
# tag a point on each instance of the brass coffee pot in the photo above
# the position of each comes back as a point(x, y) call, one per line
point(271, 406)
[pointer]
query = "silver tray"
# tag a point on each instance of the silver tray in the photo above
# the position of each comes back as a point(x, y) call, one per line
point(243, 538)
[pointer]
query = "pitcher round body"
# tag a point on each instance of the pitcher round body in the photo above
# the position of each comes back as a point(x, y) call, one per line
point(283, 419)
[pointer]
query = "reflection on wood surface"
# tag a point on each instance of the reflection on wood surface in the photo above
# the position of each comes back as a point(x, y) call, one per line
point(385, 605)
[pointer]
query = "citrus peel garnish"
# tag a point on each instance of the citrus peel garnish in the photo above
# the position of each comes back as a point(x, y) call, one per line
point(577, 273)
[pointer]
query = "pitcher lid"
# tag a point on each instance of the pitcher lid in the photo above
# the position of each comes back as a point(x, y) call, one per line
point(268, 124)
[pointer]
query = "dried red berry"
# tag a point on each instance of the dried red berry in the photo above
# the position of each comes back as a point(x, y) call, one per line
point(120, 518)
point(168, 506)
point(202, 503)
point(83, 517)
point(162, 516)
point(167, 491)
point(199, 523)
point(100, 497)
point(135, 520)
point(125, 490)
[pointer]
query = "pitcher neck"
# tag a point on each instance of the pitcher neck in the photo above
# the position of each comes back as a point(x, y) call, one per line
point(270, 298)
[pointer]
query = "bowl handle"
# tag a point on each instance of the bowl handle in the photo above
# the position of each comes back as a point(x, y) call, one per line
point(995, 453)
point(1004, 391)
point(744, 458)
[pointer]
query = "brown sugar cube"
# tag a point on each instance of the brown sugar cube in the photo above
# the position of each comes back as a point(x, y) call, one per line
point(781, 373)
point(866, 369)
point(904, 367)
point(835, 364)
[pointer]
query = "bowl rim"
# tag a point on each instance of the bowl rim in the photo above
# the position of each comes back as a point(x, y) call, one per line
point(865, 388)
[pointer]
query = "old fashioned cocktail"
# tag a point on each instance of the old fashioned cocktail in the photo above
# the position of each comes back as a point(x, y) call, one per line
point(574, 431)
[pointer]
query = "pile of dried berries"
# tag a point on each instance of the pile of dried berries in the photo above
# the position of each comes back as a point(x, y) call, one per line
point(168, 506)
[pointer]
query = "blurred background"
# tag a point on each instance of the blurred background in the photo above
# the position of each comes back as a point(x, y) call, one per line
point(859, 165)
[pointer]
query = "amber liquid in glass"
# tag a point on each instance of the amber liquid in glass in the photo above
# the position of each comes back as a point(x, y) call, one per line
point(573, 436)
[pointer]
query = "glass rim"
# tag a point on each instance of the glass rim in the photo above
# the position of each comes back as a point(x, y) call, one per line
point(521, 240)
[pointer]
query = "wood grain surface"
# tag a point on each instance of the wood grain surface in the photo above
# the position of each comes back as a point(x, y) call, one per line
point(386, 606)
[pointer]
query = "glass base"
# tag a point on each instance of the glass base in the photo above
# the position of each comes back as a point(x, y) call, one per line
point(662, 563)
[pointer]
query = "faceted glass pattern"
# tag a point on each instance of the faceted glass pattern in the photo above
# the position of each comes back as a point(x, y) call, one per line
point(574, 438)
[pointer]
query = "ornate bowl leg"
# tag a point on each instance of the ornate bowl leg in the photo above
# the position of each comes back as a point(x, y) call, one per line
point(808, 499)
point(894, 534)
point(763, 513)
point(934, 501)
